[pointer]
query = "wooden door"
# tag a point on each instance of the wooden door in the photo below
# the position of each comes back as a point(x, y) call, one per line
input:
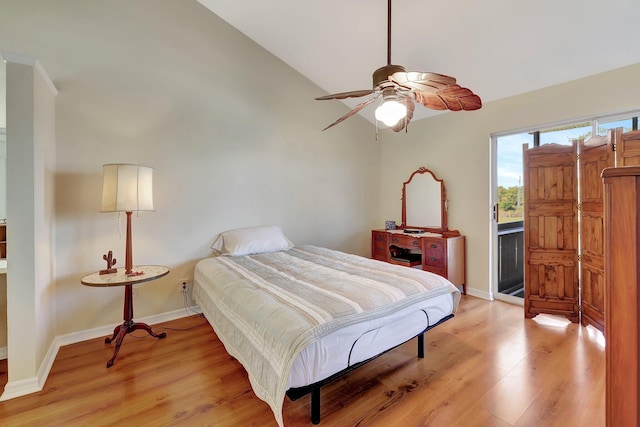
point(551, 231)
point(595, 154)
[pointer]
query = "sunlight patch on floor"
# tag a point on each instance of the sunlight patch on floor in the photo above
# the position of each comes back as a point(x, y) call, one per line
point(596, 336)
point(551, 320)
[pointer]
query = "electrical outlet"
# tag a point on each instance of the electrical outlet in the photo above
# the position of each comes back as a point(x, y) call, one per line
point(183, 285)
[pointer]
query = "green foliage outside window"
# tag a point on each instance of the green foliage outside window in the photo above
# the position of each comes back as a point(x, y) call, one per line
point(510, 203)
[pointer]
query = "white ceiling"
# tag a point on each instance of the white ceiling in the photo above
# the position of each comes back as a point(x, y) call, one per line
point(496, 48)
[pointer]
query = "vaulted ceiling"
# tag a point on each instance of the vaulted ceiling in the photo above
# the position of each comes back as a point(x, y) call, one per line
point(496, 48)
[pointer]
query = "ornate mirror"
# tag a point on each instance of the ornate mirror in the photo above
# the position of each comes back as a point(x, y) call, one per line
point(424, 202)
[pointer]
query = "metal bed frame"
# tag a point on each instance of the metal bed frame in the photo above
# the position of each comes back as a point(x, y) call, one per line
point(298, 392)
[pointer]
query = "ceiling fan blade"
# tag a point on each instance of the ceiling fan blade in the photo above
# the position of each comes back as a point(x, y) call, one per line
point(343, 95)
point(402, 124)
point(423, 82)
point(454, 98)
point(352, 112)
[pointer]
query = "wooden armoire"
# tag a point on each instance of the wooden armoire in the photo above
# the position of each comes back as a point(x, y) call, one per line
point(564, 264)
point(622, 289)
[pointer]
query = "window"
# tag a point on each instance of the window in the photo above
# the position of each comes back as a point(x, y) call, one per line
point(566, 134)
point(625, 124)
point(509, 169)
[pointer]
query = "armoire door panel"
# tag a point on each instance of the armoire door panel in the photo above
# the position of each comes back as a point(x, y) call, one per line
point(592, 224)
point(551, 231)
point(551, 183)
point(541, 207)
point(551, 209)
point(554, 281)
point(551, 256)
point(592, 285)
point(593, 262)
point(596, 154)
point(627, 148)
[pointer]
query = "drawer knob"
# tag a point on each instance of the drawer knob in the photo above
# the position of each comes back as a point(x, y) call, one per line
point(395, 239)
point(433, 245)
point(379, 238)
point(434, 258)
point(415, 242)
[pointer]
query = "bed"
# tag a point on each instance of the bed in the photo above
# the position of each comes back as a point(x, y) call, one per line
point(298, 317)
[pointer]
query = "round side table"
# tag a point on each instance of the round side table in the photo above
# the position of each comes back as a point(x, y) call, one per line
point(141, 274)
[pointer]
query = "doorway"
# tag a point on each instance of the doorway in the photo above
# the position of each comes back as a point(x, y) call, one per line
point(508, 210)
point(508, 193)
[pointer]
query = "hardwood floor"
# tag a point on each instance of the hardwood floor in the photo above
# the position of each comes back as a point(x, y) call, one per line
point(486, 367)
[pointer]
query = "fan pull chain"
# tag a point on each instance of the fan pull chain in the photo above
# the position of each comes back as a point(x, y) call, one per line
point(389, 32)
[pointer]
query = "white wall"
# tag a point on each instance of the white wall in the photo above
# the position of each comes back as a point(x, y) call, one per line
point(44, 202)
point(3, 96)
point(232, 132)
point(3, 172)
point(456, 146)
point(31, 286)
point(234, 137)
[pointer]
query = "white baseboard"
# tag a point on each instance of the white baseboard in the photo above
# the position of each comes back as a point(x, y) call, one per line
point(22, 387)
point(19, 388)
point(90, 334)
point(32, 385)
point(480, 294)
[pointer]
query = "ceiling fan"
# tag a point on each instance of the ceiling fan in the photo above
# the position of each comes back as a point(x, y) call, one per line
point(399, 88)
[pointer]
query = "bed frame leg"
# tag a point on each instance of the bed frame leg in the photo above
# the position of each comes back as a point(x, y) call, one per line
point(421, 346)
point(315, 405)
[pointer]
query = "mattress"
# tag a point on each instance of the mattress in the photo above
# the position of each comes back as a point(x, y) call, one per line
point(356, 343)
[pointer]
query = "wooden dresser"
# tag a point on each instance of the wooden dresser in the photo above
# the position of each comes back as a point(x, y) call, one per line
point(432, 251)
point(622, 294)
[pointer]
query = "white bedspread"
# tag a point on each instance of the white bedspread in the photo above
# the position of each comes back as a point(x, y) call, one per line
point(355, 343)
point(266, 308)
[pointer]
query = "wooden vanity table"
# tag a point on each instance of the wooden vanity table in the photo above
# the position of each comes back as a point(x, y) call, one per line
point(430, 251)
point(433, 248)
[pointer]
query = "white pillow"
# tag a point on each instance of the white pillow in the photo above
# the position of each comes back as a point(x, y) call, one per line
point(252, 240)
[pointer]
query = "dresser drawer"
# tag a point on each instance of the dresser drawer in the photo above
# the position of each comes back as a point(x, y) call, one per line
point(434, 245)
point(405, 241)
point(433, 253)
point(379, 236)
point(379, 246)
point(379, 252)
point(433, 260)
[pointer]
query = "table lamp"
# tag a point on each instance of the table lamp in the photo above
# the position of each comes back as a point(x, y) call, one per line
point(127, 188)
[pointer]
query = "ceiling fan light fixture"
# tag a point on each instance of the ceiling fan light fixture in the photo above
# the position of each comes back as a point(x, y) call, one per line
point(399, 89)
point(390, 112)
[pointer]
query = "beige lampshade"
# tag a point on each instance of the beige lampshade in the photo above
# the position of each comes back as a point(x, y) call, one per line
point(127, 188)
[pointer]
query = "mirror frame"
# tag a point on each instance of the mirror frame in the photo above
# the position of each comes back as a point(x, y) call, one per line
point(444, 228)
